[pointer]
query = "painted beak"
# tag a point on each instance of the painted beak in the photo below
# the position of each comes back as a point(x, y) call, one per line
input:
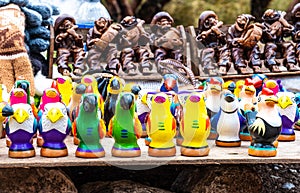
point(54, 114)
point(51, 93)
point(20, 115)
point(7, 111)
point(284, 102)
point(19, 94)
point(271, 101)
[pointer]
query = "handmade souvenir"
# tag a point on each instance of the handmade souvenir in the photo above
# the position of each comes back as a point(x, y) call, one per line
point(210, 39)
point(78, 91)
point(267, 126)
point(115, 86)
point(161, 127)
point(295, 16)
point(64, 85)
point(167, 39)
point(89, 128)
point(54, 126)
point(242, 38)
point(247, 105)
point(212, 96)
point(133, 44)
point(275, 28)
point(21, 127)
point(101, 46)
point(228, 121)
point(289, 113)
point(125, 127)
point(69, 45)
point(195, 126)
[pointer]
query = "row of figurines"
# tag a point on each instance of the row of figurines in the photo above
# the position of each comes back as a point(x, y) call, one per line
point(190, 112)
point(239, 45)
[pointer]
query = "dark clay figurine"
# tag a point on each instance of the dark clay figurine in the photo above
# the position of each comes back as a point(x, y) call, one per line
point(242, 38)
point(134, 40)
point(296, 32)
point(210, 38)
point(167, 39)
point(275, 29)
point(100, 45)
point(69, 44)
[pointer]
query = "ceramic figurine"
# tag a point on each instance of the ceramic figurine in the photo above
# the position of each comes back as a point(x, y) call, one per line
point(68, 43)
point(89, 80)
point(54, 126)
point(272, 85)
point(64, 86)
point(89, 128)
point(133, 44)
point(242, 38)
point(5, 108)
point(78, 91)
point(228, 121)
point(247, 105)
point(267, 126)
point(161, 127)
point(195, 126)
point(275, 28)
point(238, 87)
point(167, 39)
point(101, 46)
point(50, 95)
point(115, 86)
point(258, 81)
point(143, 109)
point(289, 113)
point(212, 100)
point(210, 39)
point(125, 128)
point(20, 128)
point(229, 85)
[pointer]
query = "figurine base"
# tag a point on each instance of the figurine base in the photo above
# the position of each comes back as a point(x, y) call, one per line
point(228, 143)
point(262, 153)
point(245, 137)
point(90, 154)
point(144, 134)
point(76, 140)
point(162, 152)
point(194, 152)
point(286, 137)
point(21, 154)
point(39, 141)
point(147, 141)
point(275, 143)
point(47, 152)
point(296, 127)
point(8, 142)
point(125, 153)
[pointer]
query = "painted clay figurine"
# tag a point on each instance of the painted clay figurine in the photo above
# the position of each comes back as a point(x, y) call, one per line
point(114, 88)
point(78, 91)
point(125, 128)
point(212, 96)
point(289, 113)
point(247, 105)
point(101, 46)
point(134, 40)
point(54, 126)
point(275, 27)
point(89, 128)
point(195, 126)
point(20, 128)
point(69, 45)
point(228, 121)
point(296, 32)
point(210, 39)
point(161, 127)
point(64, 85)
point(242, 38)
point(267, 126)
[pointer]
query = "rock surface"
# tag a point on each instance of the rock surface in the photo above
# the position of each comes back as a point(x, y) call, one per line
point(35, 180)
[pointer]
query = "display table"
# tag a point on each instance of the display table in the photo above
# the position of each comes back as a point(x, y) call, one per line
point(287, 152)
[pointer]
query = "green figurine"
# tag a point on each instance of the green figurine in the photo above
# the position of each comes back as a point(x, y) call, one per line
point(89, 128)
point(125, 127)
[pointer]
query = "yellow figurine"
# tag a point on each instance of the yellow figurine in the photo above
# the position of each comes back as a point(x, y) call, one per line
point(195, 126)
point(161, 127)
point(64, 86)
